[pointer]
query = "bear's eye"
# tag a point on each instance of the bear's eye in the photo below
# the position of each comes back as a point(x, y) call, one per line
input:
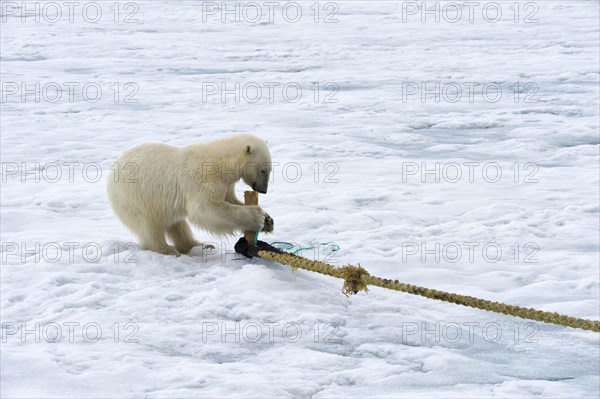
point(263, 172)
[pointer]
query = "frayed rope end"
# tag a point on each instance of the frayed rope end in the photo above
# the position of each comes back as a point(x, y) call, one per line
point(353, 279)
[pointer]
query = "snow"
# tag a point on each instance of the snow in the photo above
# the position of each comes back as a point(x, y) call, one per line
point(214, 324)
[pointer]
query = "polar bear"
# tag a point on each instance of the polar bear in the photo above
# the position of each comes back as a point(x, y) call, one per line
point(153, 188)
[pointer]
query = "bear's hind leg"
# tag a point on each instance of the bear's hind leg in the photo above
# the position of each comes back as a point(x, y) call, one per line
point(182, 236)
point(153, 239)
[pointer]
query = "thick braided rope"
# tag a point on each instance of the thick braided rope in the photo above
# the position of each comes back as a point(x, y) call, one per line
point(357, 278)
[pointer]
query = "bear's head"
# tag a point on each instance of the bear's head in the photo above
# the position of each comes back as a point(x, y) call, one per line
point(257, 165)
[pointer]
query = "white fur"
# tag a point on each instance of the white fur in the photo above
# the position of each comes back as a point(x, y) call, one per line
point(153, 188)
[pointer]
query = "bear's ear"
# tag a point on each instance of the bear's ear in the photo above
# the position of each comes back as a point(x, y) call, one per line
point(250, 149)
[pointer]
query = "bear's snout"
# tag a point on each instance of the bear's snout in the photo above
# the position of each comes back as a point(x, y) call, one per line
point(259, 188)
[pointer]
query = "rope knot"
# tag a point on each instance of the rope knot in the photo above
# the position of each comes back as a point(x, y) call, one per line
point(353, 279)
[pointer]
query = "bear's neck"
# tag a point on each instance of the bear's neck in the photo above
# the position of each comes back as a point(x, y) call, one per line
point(231, 171)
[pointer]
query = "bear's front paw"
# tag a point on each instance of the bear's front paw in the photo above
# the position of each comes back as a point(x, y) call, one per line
point(255, 218)
point(268, 227)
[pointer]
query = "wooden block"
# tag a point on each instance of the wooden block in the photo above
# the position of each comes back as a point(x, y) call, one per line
point(250, 198)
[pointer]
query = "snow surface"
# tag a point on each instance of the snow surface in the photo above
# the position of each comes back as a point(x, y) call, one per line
point(365, 199)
